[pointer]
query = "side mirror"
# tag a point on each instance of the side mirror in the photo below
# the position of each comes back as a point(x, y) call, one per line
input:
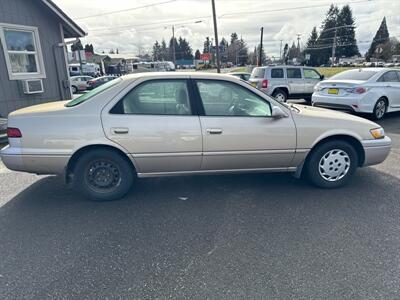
point(322, 77)
point(278, 113)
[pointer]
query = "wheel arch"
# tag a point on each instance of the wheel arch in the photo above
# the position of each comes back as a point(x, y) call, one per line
point(282, 88)
point(85, 149)
point(355, 142)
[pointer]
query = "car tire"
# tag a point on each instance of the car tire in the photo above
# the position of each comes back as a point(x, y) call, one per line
point(380, 109)
point(280, 95)
point(103, 175)
point(74, 89)
point(332, 164)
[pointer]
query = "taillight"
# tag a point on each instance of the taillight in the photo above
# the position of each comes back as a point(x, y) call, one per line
point(357, 90)
point(264, 84)
point(13, 133)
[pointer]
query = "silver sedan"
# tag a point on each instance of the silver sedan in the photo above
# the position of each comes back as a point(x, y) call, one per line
point(164, 124)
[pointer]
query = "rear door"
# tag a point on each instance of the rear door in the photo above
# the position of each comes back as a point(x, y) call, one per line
point(239, 132)
point(295, 81)
point(391, 83)
point(155, 121)
point(311, 78)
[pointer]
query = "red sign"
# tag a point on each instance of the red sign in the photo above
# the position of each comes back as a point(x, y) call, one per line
point(205, 56)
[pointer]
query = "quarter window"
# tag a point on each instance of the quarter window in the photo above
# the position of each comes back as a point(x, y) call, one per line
point(311, 74)
point(390, 76)
point(22, 51)
point(277, 73)
point(293, 73)
point(158, 97)
point(222, 98)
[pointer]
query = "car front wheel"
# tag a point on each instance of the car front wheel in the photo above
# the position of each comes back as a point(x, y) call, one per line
point(74, 89)
point(103, 175)
point(332, 164)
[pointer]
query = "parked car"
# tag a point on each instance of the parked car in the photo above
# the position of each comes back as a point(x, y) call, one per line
point(369, 90)
point(158, 124)
point(285, 82)
point(3, 130)
point(79, 83)
point(96, 82)
point(242, 75)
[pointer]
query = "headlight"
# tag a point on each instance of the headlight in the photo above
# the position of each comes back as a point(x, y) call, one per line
point(378, 133)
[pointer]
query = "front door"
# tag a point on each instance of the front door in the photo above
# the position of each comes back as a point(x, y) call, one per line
point(295, 81)
point(239, 132)
point(311, 78)
point(156, 124)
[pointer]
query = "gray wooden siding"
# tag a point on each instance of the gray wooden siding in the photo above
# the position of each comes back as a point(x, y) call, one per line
point(33, 13)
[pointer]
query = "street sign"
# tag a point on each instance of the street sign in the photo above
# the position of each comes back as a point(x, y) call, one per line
point(205, 56)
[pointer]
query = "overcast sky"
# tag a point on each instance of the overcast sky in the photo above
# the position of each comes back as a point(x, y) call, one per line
point(135, 30)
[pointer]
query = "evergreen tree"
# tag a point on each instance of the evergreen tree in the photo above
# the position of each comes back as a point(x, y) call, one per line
point(173, 41)
point(325, 41)
point(197, 54)
point(156, 51)
point(263, 55)
point(185, 51)
point(292, 52)
point(346, 36)
point(164, 55)
point(311, 43)
point(381, 37)
point(207, 45)
point(224, 50)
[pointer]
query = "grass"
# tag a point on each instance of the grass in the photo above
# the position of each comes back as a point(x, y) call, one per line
point(329, 72)
point(240, 69)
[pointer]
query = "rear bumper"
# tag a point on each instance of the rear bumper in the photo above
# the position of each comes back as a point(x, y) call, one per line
point(15, 160)
point(354, 103)
point(376, 151)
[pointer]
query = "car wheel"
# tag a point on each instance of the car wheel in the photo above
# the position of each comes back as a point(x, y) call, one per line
point(103, 175)
point(74, 89)
point(380, 109)
point(332, 164)
point(280, 95)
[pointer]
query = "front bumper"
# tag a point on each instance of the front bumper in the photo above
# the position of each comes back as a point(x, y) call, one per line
point(376, 151)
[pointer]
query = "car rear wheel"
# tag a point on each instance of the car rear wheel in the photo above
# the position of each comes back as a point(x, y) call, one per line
point(74, 89)
point(103, 175)
point(380, 109)
point(332, 164)
point(280, 95)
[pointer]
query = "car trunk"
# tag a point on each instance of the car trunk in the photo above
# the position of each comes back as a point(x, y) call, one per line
point(337, 88)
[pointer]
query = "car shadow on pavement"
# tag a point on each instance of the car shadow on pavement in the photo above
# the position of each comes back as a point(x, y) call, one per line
point(255, 235)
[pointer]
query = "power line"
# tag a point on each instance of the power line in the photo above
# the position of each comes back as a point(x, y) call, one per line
point(125, 10)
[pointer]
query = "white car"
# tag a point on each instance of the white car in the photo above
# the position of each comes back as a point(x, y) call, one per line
point(369, 90)
point(79, 83)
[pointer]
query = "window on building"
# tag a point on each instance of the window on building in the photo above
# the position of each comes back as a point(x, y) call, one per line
point(22, 51)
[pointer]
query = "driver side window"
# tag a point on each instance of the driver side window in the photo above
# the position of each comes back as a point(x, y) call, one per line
point(223, 98)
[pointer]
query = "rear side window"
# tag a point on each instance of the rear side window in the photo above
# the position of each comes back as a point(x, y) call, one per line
point(93, 92)
point(156, 97)
point(311, 74)
point(258, 73)
point(354, 75)
point(293, 73)
point(276, 73)
point(389, 77)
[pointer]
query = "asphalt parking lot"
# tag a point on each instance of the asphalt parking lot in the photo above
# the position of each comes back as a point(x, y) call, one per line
point(265, 236)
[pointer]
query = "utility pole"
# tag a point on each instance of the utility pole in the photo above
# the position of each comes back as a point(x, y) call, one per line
point(280, 51)
point(298, 45)
point(334, 46)
point(261, 47)
point(216, 35)
point(173, 45)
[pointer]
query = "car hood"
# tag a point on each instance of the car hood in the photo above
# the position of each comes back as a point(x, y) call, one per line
point(46, 108)
point(332, 116)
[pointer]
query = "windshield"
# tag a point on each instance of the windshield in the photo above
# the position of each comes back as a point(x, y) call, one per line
point(354, 75)
point(93, 93)
point(258, 73)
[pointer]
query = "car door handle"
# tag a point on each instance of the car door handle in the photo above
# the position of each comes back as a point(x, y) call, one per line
point(119, 130)
point(214, 130)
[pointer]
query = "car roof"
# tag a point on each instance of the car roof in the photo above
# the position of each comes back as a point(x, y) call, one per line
point(197, 75)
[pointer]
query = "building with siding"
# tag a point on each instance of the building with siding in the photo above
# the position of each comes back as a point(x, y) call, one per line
point(33, 55)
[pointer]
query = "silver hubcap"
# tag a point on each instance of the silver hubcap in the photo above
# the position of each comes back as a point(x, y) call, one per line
point(280, 97)
point(334, 165)
point(380, 109)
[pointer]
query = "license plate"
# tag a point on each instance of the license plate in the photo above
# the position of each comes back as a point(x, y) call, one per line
point(333, 91)
point(254, 84)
